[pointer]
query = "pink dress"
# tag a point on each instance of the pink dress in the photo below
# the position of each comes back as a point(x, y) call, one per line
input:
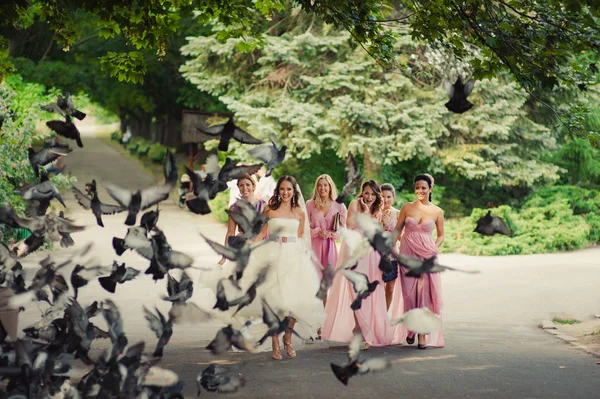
point(325, 248)
point(425, 291)
point(372, 317)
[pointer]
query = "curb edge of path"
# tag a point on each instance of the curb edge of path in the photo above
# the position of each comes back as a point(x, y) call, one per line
point(551, 329)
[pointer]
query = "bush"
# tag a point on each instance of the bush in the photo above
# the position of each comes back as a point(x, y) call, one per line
point(219, 205)
point(552, 219)
point(19, 111)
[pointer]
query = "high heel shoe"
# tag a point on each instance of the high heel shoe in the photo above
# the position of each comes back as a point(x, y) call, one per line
point(289, 349)
point(422, 346)
point(410, 341)
point(277, 351)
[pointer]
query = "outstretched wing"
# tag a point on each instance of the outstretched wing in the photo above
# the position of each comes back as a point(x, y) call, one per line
point(107, 209)
point(222, 250)
point(121, 195)
point(359, 281)
point(354, 346)
point(154, 322)
point(153, 195)
point(244, 137)
point(82, 199)
point(213, 130)
point(265, 153)
point(469, 87)
point(368, 225)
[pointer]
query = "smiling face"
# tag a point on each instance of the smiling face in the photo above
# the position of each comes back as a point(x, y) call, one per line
point(246, 188)
point(323, 189)
point(286, 191)
point(368, 195)
point(388, 198)
point(422, 190)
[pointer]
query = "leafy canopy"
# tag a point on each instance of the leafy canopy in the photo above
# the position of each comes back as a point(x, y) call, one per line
point(535, 41)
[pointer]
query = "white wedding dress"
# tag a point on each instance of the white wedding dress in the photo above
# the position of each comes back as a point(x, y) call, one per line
point(290, 287)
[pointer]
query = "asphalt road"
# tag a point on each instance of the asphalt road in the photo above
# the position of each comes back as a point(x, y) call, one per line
point(494, 348)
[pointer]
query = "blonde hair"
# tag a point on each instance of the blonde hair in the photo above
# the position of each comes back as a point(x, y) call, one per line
point(332, 191)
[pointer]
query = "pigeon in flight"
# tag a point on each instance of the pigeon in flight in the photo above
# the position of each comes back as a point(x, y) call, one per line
point(64, 106)
point(45, 156)
point(489, 225)
point(93, 203)
point(353, 179)
point(66, 129)
point(419, 321)
point(361, 284)
point(119, 274)
point(419, 266)
point(355, 366)
point(228, 131)
point(271, 155)
point(458, 93)
point(44, 191)
point(382, 241)
point(137, 201)
point(162, 327)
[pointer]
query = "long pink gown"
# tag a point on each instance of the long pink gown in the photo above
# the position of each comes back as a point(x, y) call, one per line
point(325, 248)
point(372, 317)
point(425, 291)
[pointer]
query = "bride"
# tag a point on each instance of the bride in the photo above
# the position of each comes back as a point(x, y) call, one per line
point(292, 281)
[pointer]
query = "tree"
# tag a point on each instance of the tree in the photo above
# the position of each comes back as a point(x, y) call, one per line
point(313, 87)
point(535, 41)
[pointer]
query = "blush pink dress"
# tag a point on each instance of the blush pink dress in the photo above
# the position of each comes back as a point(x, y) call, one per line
point(372, 317)
point(425, 291)
point(325, 248)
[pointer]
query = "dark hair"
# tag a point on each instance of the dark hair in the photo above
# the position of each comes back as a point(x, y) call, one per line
point(246, 177)
point(275, 200)
point(378, 202)
point(388, 187)
point(426, 179)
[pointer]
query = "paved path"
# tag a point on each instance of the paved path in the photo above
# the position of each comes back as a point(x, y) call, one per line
point(494, 348)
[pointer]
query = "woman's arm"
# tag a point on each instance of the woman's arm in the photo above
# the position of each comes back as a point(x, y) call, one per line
point(231, 226)
point(401, 221)
point(301, 217)
point(343, 220)
point(439, 226)
point(352, 210)
point(315, 232)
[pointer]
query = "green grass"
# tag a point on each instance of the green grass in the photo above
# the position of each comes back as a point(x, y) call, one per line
point(565, 321)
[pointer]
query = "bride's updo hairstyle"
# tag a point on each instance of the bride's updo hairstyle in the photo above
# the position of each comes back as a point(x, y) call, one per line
point(275, 200)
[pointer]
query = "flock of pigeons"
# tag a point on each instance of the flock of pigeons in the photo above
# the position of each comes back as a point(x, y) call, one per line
point(36, 366)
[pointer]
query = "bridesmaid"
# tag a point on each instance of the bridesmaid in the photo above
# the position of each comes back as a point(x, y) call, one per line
point(389, 218)
point(418, 218)
point(322, 210)
point(371, 319)
point(247, 186)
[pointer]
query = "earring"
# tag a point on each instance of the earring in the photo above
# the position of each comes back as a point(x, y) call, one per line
point(278, 197)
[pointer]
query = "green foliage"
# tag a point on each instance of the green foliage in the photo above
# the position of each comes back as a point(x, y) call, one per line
point(127, 67)
point(313, 89)
point(553, 219)
point(19, 110)
point(580, 162)
point(219, 205)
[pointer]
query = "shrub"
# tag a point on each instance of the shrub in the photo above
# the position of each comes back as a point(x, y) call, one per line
point(219, 205)
point(551, 220)
point(19, 110)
